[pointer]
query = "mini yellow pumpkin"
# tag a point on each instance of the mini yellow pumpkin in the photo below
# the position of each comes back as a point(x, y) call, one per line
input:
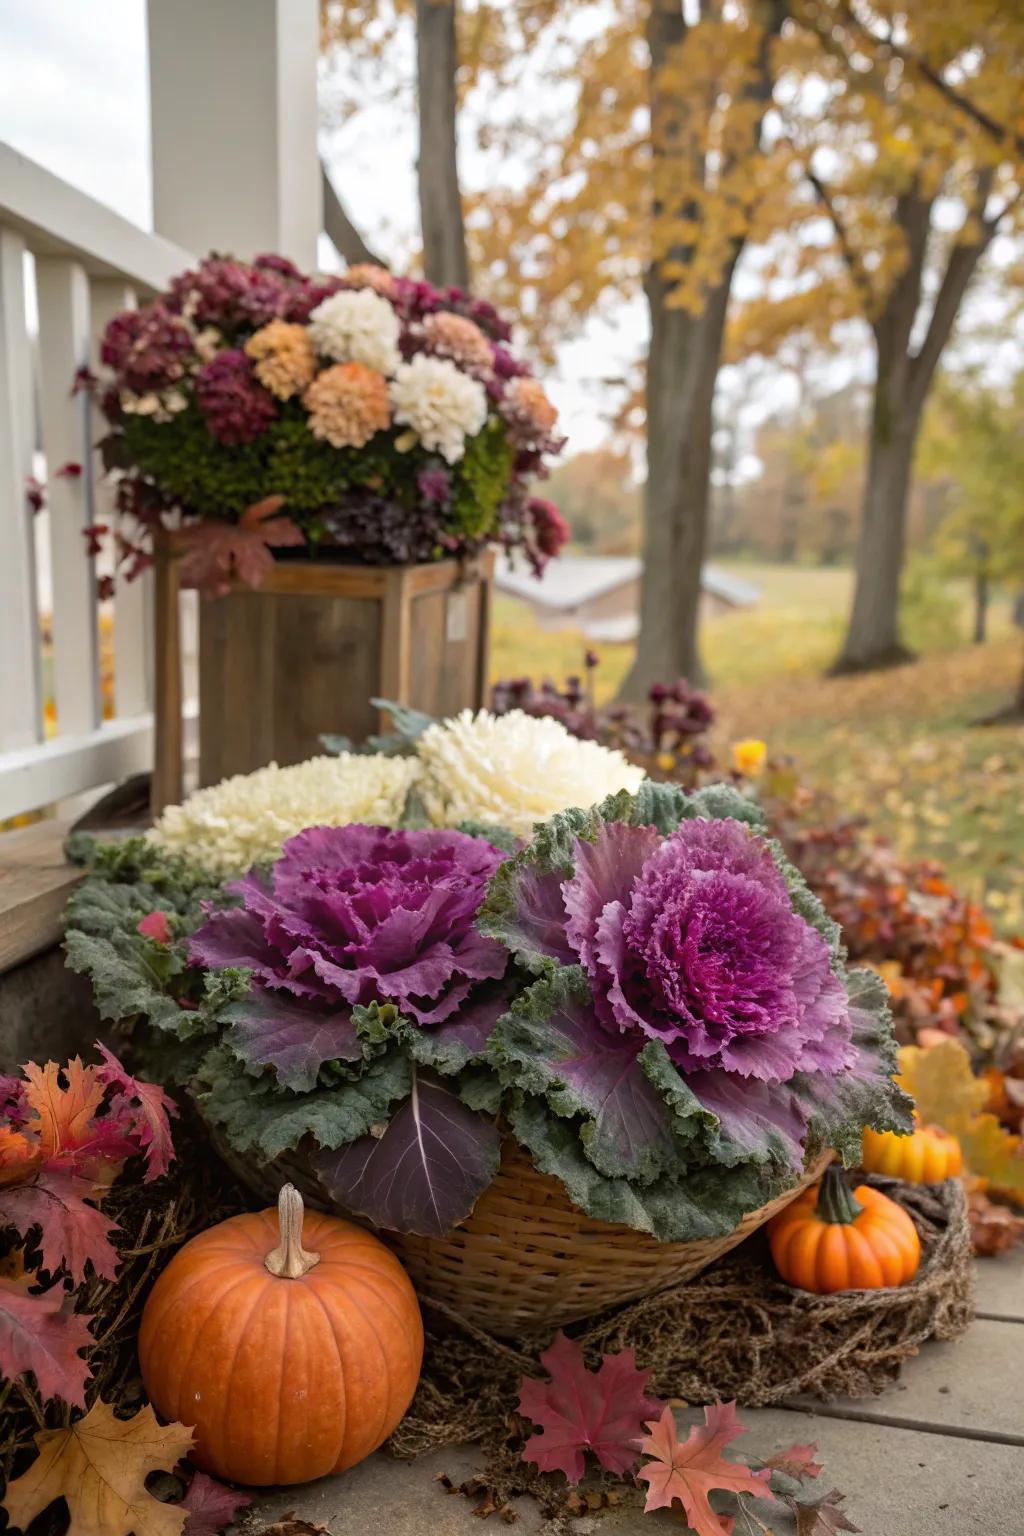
point(927, 1156)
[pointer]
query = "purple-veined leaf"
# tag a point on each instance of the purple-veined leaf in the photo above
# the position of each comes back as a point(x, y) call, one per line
point(36, 1334)
point(269, 1028)
point(428, 1169)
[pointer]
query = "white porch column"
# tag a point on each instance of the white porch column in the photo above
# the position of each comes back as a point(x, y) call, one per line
point(234, 120)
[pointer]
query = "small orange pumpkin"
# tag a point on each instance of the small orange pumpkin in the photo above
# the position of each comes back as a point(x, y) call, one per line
point(830, 1239)
point(927, 1156)
point(289, 1364)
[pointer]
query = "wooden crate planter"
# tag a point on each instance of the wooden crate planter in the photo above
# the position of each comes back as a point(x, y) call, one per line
point(304, 654)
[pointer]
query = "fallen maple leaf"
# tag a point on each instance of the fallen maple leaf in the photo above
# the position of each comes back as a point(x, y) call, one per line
point(798, 1461)
point(994, 1227)
point(143, 1108)
point(688, 1471)
point(210, 1506)
point(99, 1467)
point(214, 551)
point(37, 1335)
point(63, 1117)
point(292, 1525)
point(71, 1233)
point(579, 1410)
point(823, 1517)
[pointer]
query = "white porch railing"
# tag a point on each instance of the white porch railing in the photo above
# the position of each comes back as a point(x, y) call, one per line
point(233, 120)
point(84, 263)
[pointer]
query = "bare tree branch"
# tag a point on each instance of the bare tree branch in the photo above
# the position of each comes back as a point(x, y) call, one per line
point(1000, 132)
point(859, 277)
point(341, 231)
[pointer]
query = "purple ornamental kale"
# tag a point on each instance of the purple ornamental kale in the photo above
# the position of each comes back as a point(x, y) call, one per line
point(237, 408)
point(359, 915)
point(692, 940)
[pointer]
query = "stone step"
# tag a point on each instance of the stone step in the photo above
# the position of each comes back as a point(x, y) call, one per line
point(897, 1482)
point(1000, 1286)
point(969, 1387)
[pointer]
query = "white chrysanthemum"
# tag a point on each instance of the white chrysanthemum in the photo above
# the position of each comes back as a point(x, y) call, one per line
point(235, 824)
point(357, 326)
point(514, 770)
point(440, 403)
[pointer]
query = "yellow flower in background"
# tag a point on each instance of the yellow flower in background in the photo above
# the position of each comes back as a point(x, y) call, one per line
point(749, 756)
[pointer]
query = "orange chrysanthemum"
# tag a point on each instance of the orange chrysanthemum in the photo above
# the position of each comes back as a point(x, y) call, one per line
point(347, 404)
point(529, 407)
point(283, 358)
point(458, 338)
point(365, 274)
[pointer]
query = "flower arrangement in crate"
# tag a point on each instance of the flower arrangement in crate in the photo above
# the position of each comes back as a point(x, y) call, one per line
point(370, 413)
point(532, 947)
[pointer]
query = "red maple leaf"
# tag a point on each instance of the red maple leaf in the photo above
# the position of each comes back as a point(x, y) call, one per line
point(579, 1410)
point(71, 1233)
point(37, 1335)
point(214, 552)
point(798, 1461)
point(142, 1109)
point(688, 1471)
point(210, 1506)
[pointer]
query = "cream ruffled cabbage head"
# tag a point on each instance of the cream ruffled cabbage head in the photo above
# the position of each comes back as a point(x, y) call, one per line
point(244, 820)
point(514, 770)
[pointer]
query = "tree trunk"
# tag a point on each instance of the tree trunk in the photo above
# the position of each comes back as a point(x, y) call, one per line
point(682, 368)
point(445, 261)
point(873, 639)
point(981, 594)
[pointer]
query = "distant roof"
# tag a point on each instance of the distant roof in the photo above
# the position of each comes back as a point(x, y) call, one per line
point(576, 579)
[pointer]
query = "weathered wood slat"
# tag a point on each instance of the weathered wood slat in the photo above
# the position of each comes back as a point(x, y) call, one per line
point(35, 883)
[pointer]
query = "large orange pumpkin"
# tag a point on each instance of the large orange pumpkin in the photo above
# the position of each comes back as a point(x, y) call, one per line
point(829, 1239)
point(290, 1364)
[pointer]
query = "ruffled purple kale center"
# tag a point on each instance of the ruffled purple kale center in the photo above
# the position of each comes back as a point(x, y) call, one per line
point(692, 940)
point(364, 914)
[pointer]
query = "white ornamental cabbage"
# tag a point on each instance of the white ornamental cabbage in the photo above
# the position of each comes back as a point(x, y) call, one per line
point(440, 403)
point(514, 770)
point(357, 326)
point(244, 820)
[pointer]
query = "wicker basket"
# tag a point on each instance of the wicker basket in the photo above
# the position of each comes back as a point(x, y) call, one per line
point(527, 1258)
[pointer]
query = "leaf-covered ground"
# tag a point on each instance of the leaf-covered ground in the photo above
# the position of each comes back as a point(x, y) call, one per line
point(898, 746)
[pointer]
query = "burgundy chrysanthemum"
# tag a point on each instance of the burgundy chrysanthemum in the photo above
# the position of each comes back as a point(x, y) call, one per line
point(692, 940)
point(147, 348)
point(230, 294)
point(236, 406)
point(550, 529)
point(357, 915)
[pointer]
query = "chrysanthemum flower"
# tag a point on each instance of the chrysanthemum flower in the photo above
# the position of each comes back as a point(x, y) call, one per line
point(528, 407)
point(236, 407)
point(514, 770)
point(347, 404)
point(246, 819)
point(283, 358)
point(357, 326)
point(453, 336)
point(440, 403)
point(366, 274)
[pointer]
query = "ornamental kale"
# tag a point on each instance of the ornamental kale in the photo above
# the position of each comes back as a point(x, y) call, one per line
point(647, 996)
point(693, 1009)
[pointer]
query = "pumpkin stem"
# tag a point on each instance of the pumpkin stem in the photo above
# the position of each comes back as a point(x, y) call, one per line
point(836, 1204)
point(289, 1260)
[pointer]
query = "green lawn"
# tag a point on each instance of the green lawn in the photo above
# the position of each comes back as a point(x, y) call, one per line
point(899, 745)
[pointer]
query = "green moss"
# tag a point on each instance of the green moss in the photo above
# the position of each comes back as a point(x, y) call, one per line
point(212, 480)
point(480, 480)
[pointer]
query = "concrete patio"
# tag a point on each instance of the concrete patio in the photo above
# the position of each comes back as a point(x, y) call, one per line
point(941, 1454)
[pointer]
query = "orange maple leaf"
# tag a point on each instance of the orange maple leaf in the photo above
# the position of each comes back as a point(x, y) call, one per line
point(689, 1470)
point(63, 1116)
